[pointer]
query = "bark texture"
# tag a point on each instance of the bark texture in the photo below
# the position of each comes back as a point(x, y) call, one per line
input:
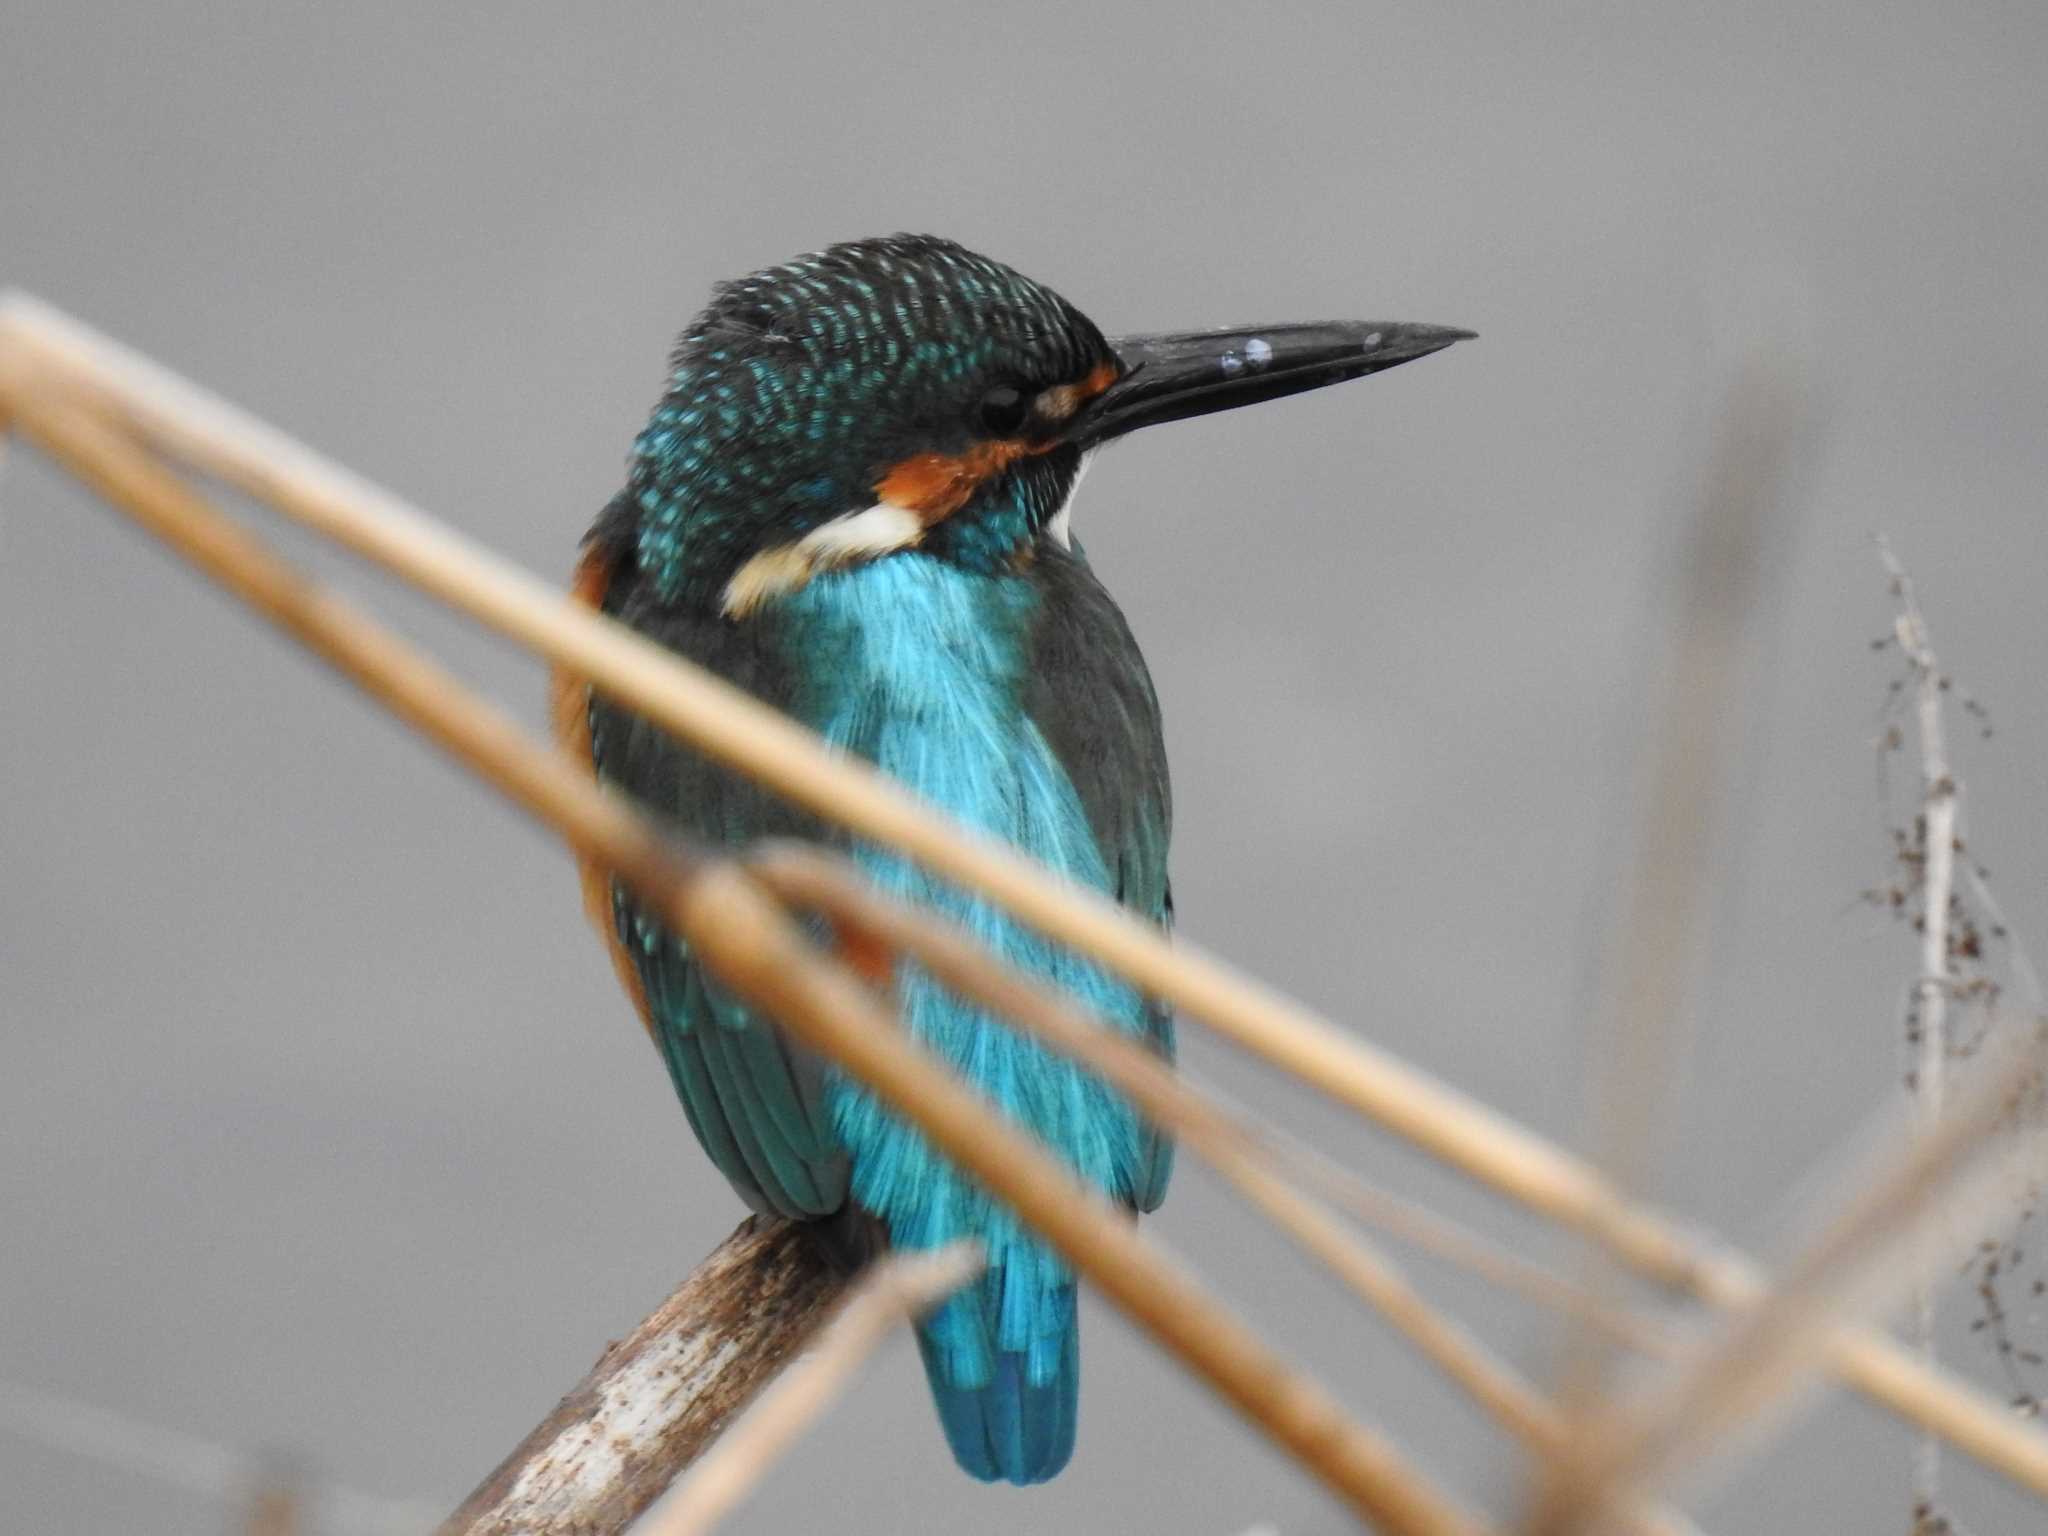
point(658, 1398)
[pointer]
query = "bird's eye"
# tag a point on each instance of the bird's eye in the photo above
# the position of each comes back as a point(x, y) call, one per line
point(1003, 410)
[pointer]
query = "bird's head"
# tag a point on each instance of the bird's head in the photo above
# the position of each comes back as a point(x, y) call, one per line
point(901, 393)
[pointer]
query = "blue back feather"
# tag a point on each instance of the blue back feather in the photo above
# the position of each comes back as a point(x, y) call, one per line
point(919, 665)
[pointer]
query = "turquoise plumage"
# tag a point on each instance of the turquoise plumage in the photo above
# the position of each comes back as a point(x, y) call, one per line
point(925, 670)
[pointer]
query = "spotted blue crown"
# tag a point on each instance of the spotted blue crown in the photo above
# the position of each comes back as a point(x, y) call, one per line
point(798, 386)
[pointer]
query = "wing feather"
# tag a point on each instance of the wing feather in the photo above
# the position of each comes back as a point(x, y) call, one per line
point(754, 1099)
point(1091, 696)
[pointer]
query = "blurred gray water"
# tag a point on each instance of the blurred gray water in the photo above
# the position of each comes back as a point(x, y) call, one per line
point(322, 1125)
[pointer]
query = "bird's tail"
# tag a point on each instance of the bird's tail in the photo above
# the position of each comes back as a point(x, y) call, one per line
point(1004, 1361)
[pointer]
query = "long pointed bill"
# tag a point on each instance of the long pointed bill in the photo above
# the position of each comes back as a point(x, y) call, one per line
point(1191, 373)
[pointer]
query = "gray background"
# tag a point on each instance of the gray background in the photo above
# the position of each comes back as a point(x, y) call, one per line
point(322, 1125)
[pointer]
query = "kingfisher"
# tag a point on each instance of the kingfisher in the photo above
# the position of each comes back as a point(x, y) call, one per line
point(854, 501)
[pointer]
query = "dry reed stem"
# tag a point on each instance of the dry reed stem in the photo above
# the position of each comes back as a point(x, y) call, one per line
point(1859, 1261)
point(1243, 1152)
point(754, 947)
point(898, 1289)
point(807, 878)
point(759, 950)
point(41, 349)
point(1429, 1232)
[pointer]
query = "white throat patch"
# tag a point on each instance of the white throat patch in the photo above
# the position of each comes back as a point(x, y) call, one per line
point(1060, 526)
point(845, 540)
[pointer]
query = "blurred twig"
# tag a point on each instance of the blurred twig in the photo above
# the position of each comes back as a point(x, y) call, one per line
point(277, 1504)
point(1638, 1031)
point(44, 356)
point(220, 1473)
point(898, 1289)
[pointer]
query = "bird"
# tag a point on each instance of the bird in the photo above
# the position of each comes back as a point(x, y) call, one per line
point(854, 501)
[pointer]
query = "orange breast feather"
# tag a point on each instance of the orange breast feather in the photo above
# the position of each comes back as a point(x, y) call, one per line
point(569, 714)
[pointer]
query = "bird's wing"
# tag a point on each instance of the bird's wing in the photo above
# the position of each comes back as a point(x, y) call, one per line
point(1091, 697)
point(755, 1099)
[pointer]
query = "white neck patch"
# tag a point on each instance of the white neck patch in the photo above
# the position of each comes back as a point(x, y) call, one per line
point(851, 538)
point(855, 536)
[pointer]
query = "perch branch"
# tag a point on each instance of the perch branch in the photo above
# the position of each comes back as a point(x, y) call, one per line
point(898, 1289)
point(42, 351)
point(751, 944)
point(659, 1397)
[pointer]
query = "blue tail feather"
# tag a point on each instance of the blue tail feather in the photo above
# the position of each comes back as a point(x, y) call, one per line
point(1008, 1427)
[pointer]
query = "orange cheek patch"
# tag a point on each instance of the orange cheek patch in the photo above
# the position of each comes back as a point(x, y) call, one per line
point(569, 714)
point(936, 485)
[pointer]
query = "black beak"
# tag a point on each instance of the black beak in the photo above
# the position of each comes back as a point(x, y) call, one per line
point(1191, 373)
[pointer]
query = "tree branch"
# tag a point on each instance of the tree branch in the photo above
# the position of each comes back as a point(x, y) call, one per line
point(656, 1399)
point(900, 1288)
